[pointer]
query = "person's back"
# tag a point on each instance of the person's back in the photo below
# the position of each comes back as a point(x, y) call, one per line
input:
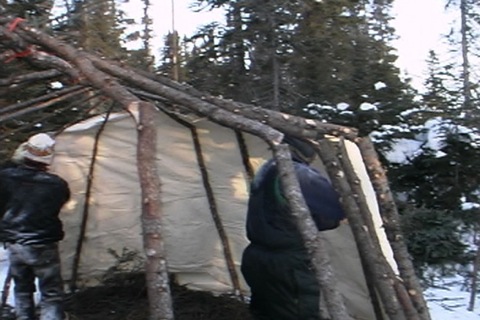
point(276, 264)
point(30, 203)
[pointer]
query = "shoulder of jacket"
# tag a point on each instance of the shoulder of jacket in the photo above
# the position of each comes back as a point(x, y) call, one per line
point(307, 173)
point(304, 168)
point(44, 176)
point(10, 171)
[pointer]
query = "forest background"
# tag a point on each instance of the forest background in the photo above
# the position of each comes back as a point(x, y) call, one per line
point(331, 60)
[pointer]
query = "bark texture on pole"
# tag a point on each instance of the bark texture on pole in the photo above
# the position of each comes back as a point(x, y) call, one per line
point(287, 123)
point(383, 277)
point(158, 287)
point(156, 267)
point(391, 224)
point(366, 215)
point(129, 88)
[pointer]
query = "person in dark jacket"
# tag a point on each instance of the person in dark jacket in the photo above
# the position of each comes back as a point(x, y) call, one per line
point(30, 203)
point(276, 264)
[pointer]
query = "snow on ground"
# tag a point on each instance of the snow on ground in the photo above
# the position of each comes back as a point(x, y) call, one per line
point(449, 301)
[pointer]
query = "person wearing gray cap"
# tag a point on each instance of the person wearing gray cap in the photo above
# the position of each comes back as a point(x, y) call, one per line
point(30, 203)
point(276, 264)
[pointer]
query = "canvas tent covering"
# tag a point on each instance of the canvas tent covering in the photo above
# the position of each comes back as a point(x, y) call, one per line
point(197, 182)
point(202, 182)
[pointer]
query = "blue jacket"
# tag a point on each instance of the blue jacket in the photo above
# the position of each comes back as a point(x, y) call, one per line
point(30, 202)
point(269, 222)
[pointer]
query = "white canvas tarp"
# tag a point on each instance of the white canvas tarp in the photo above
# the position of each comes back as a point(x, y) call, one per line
point(194, 249)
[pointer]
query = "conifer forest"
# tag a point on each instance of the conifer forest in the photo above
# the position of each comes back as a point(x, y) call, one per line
point(328, 60)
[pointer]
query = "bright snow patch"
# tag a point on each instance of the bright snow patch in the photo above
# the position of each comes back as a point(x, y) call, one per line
point(379, 85)
point(403, 151)
point(470, 205)
point(56, 85)
point(367, 107)
point(342, 106)
point(448, 301)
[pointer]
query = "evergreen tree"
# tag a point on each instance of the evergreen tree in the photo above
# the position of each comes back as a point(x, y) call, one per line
point(98, 27)
point(204, 67)
point(433, 239)
point(298, 55)
point(254, 49)
point(142, 57)
point(343, 56)
point(438, 99)
point(440, 178)
point(36, 11)
point(464, 41)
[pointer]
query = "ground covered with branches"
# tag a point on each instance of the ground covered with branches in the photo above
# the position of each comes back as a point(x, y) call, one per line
point(127, 300)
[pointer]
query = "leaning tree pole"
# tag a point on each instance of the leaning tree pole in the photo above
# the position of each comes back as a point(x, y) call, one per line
point(140, 93)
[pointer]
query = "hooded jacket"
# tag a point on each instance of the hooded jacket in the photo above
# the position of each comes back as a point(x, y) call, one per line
point(276, 264)
point(30, 203)
point(269, 222)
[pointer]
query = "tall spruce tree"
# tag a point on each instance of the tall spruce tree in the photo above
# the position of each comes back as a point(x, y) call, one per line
point(438, 99)
point(204, 63)
point(254, 49)
point(288, 55)
point(98, 29)
point(443, 179)
point(141, 57)
point(464, 41)
point(343, 55)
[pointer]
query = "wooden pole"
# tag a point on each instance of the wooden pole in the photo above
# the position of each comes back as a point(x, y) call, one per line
point(391, 223)
point(375, 260)
point(86, 205)
point(156, 270)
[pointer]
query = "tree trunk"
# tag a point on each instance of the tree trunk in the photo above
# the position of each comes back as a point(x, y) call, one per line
point(156, 267)
point(92, 71)
point(466, 90)
point(383, 278)
point(476, 268)
point(156, 270)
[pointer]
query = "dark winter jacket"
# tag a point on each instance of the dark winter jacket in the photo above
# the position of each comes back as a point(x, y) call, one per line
point(30, 202)
point(276, 264)
point(269, 222)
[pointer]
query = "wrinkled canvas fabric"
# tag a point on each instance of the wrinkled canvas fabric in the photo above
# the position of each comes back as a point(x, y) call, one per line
point(194, 249)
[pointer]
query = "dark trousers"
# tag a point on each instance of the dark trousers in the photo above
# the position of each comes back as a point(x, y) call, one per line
point(41, 261)
point(282, 283)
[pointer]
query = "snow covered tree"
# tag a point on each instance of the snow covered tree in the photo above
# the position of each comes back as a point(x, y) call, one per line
point(298, 55)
